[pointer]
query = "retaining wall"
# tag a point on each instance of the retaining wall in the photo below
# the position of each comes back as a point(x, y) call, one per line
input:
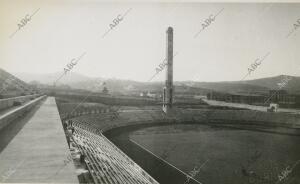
point(8, 117)
point(9, 102)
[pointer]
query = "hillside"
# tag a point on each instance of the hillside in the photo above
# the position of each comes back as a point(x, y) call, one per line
point(79, 81)
point(259, 86)
point(292, 84)
point(229, 87)
point(11, 86)
point(52, 77)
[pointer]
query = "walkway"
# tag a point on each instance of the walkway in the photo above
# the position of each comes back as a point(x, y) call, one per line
point(37, 153)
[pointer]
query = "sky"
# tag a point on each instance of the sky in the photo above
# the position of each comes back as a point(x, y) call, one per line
point(61, 31)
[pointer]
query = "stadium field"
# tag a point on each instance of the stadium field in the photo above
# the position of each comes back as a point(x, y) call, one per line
point(216, 155)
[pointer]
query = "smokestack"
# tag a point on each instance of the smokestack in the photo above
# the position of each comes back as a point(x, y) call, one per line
point(168, 89)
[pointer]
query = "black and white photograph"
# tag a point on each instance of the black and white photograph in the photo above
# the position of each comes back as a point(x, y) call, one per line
point(150, 91)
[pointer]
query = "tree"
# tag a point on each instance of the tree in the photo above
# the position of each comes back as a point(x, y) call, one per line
point(105, 90)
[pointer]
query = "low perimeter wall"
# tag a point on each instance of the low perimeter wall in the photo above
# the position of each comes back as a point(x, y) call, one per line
point(8, 117)
point(9, 102)
point(103, 123)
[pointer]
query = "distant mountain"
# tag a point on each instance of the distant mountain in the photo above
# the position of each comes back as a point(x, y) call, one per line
point(52, 77)
point(229, 87)
point(289, 83)
point(257, 86)
point(78, 81)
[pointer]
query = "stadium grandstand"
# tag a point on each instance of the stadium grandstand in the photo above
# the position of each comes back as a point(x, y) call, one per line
point(94, 123)
point(106, 163)
point(82, 138)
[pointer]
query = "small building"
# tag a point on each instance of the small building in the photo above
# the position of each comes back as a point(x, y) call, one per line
point(253, 99)
point(284, 99)
point(154, 94)
point(105, 90)
point(143, 94)
point(273, 107)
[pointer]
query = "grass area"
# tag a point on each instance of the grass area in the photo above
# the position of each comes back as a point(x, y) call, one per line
point(231, 155)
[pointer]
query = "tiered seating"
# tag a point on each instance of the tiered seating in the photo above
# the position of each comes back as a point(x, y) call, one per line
point(71, 110)
point(104, 122)
point(98, 121)
point(106, 163)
